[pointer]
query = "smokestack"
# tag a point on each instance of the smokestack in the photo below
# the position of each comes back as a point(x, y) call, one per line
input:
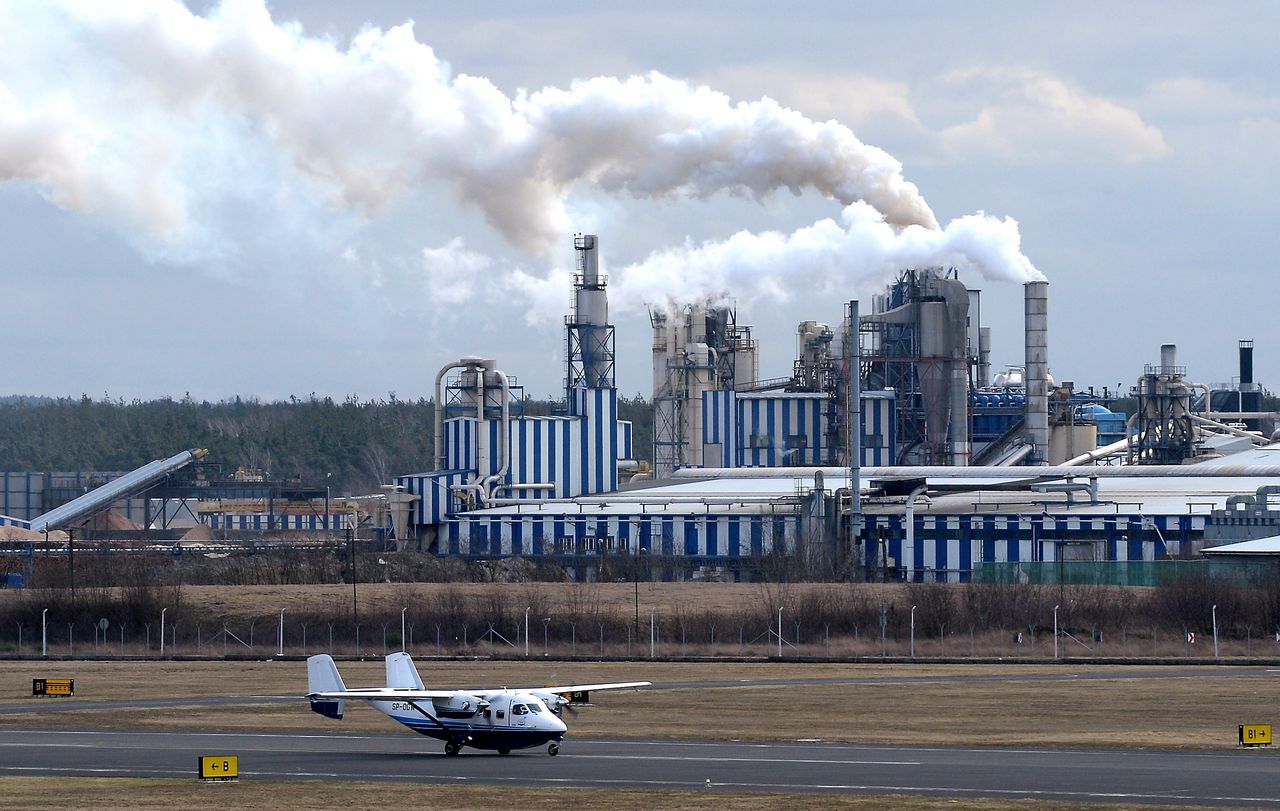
point(984, 357)
point(1036, 299)
point(590, 336)
point(1168, 358)
point(1246, 366)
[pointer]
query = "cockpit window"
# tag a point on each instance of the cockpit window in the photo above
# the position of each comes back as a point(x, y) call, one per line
point(533, 708)
point(517, 709)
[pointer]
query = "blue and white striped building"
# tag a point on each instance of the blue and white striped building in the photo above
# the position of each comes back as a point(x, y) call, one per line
point(578, 454)
point(788, 429)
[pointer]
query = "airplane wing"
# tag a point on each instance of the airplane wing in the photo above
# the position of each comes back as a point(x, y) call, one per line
point(385, 694)
point(586, 688)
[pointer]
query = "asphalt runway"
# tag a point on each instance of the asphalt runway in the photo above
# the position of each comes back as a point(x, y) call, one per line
point(1225, 779)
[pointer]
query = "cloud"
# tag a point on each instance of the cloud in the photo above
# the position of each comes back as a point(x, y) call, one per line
point(1038, 119)
point(452, 271)
point(1011, 115)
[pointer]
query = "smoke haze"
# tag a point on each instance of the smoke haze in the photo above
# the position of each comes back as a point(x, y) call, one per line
point(156, 119)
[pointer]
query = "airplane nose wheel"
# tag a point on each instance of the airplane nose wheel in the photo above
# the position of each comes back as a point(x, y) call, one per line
point(553, 749)
point(452, 748)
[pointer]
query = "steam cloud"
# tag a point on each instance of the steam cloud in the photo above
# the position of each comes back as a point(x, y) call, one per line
point(120, 129)
point(826, 256)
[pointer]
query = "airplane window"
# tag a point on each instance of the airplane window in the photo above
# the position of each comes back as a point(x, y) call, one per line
point(533, 708)
point(517, 709)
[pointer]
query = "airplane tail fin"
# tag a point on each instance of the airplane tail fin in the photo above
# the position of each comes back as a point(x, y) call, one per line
point(323, 677)
point(401, 674)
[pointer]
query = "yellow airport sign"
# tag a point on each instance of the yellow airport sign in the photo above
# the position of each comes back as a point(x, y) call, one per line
point(219, 768)
point(1255, 734)
point(53, 687)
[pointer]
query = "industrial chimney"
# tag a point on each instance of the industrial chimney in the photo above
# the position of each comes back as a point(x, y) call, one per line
point(1036, 298)
point(1246, 366)
point(589, 334)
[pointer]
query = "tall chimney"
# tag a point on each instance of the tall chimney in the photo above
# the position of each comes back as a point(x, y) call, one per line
point(1036, 299)
point(591, 337)
point(1168, 358)
point(1246, 366)
point(984, 357)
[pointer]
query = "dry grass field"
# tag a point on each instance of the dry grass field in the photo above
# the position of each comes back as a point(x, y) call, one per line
point(891, 707)
point(917, 703)
point(39, 794)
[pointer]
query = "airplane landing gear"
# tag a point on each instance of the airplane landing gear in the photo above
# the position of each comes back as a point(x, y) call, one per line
point(452, 748)
point(553, 749)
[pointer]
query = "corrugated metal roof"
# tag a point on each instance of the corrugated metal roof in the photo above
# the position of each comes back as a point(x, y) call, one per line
point(1259, 546)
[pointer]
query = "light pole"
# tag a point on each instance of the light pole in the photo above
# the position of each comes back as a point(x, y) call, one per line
point(651, 627)
point(913, 632)
point(546, 621)
point(162, 612)
point(44, 632)
point(1215, 631)
point(351, 557)
point(526, 632)
point(1055, 632)
point(403, 644)
point(779, 631)
point(280, 649)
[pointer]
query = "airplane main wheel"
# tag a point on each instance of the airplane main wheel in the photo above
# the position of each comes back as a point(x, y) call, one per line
point(504, 751)
point(553, 749)
point(452, 748)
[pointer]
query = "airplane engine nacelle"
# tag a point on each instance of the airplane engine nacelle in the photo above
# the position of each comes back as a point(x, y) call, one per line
point(459, 705)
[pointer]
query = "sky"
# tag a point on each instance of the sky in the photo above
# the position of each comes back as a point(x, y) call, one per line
point(298, 197)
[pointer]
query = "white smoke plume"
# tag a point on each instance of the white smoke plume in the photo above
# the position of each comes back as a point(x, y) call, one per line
point(162, 120)
point(827, 256)
point(381, 116)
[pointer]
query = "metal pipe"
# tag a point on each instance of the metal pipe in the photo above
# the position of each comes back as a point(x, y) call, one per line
point(1261, 495)
point(482, 498)
point(504, 438)
point(1016, 457)
point(439, 411)
point(507, 488)
point(1254, 435)
point(855, 424)
point(1098, 453)
point(1216, 468)
point(1244, 415)
point(910, 519)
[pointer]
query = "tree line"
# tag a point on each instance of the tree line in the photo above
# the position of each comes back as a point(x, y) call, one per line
point(351, 444)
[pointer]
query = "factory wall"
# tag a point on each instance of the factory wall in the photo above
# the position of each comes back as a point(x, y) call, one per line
point(717, 536)
point(779, 430)
point(946, 547)
point(267, 522)
point(434, 496)
point(28, 495)
point(578, 453)
point(782, 430)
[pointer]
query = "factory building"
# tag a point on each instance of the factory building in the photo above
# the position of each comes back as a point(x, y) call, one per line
point(489, 455)
point(954, 468)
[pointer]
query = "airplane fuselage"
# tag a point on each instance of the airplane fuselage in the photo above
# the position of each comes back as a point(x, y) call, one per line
point(510, 721)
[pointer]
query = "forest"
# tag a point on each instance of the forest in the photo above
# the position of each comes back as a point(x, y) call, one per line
point(352, 444)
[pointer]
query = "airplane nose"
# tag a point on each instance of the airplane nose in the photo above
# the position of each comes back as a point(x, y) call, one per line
point(558, 725)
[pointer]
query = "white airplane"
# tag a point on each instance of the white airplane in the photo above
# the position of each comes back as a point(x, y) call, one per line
point(502, 719)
